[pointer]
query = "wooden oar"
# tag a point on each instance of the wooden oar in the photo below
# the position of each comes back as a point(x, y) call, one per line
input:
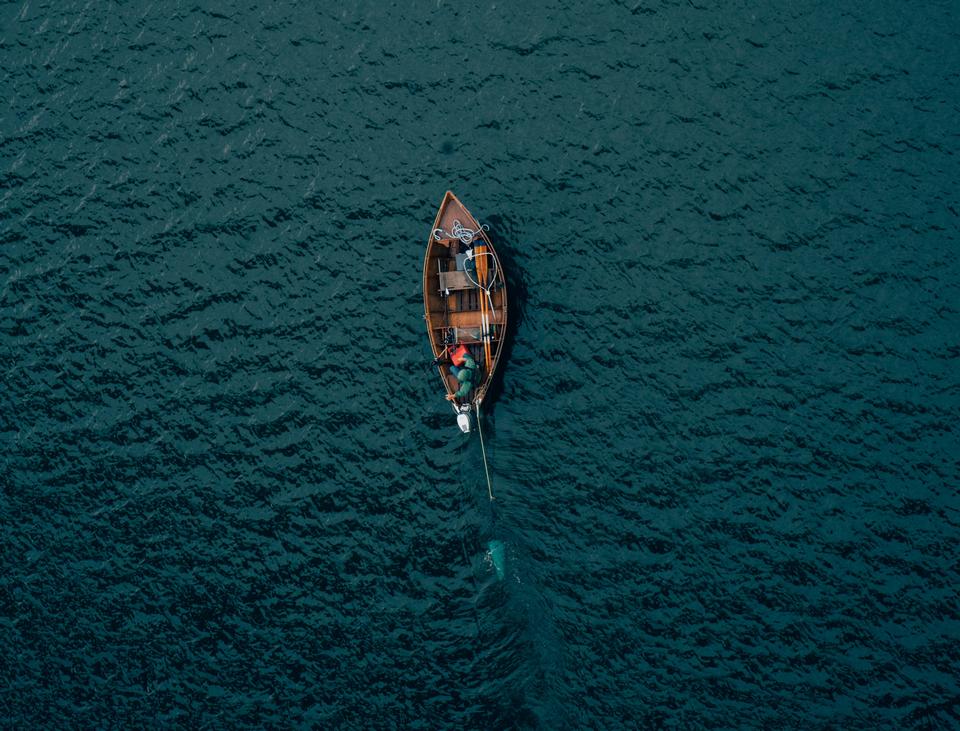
point(481, 260)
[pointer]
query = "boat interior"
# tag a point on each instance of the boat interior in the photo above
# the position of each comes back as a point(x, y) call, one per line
point(465, 296)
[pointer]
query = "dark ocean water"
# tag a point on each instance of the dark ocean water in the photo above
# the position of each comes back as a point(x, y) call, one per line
point(725, 448)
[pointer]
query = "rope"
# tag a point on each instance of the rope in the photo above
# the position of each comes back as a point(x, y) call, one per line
point(493, 279)
point(459, 231)
point(484, 450)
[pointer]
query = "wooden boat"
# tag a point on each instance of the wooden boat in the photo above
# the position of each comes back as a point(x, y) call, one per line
point(465, 303)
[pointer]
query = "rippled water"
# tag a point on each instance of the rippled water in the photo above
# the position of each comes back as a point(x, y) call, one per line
point(724, 449)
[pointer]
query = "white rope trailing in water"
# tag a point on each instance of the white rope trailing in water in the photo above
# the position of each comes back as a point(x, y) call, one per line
point(484, 450)
point(461, 232)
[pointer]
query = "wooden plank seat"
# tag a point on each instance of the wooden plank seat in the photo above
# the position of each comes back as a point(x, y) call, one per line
point(454, 281)
point(466, 335)
point(468, 319)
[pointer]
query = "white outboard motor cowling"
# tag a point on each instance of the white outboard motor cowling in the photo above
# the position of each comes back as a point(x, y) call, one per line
point(463, 418)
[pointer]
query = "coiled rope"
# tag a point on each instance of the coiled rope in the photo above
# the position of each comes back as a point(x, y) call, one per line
point(459, 231)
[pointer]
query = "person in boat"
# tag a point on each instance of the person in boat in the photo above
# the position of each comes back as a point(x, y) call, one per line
point(463, 367)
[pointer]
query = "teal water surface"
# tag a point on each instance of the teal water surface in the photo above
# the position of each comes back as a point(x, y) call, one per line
point(724, 448)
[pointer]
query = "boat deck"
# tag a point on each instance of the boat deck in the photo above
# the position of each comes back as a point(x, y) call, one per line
point(457, 308)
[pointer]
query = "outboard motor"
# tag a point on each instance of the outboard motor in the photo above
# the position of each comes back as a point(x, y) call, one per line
point(463, 418)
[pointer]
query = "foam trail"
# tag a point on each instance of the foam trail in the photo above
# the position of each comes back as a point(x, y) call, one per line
point(496, 551)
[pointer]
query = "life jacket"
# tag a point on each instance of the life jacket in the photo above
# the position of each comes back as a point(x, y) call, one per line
point(457, 356)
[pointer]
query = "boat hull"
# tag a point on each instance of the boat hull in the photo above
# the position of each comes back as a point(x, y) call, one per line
point(464, 299)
